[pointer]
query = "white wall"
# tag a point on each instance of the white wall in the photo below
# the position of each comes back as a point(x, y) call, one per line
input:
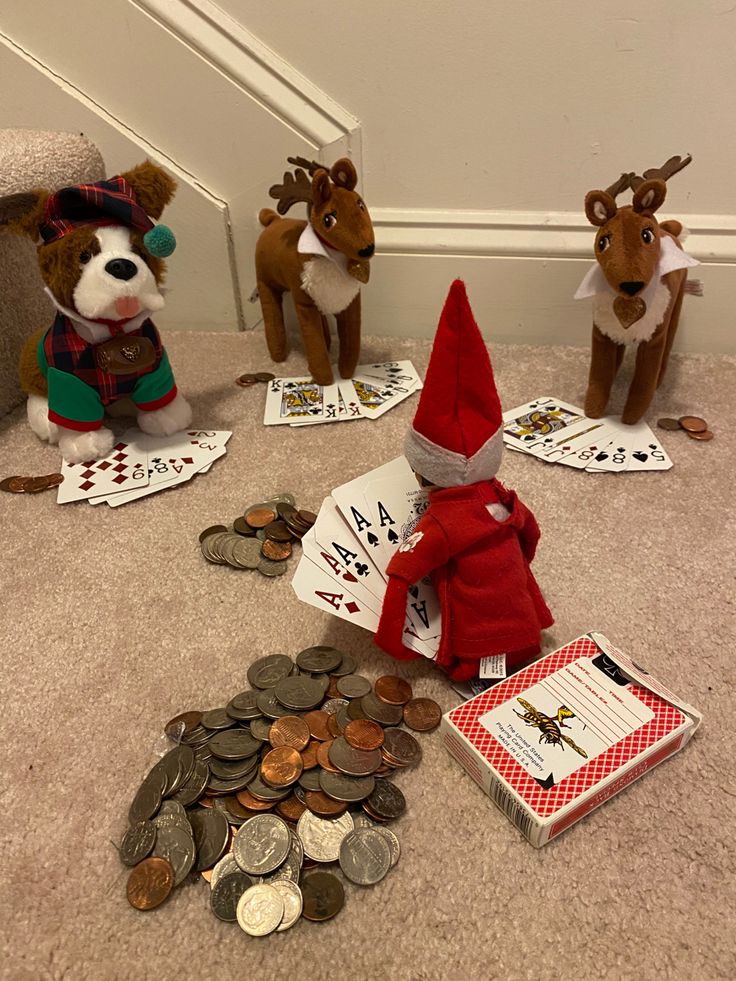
point(479, 126)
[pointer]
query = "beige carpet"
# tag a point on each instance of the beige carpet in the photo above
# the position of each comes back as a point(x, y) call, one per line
point(112, 622)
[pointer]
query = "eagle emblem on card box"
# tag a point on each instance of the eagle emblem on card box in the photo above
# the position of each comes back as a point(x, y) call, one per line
point(549, 726)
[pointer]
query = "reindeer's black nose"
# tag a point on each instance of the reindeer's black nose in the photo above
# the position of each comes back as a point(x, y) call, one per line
point(367, 252)
point(631, 289)
point(121, 268)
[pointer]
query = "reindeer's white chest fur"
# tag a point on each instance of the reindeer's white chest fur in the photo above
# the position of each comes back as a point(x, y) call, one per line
point(330, 286)
point(608, 323)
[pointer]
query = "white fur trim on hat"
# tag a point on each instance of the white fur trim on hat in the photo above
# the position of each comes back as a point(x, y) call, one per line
point(445, 468)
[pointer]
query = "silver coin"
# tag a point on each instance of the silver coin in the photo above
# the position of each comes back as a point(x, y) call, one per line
point(211, 836)
point(393, 842)
point(319, 660)
point(354, 762)
point(243, 706)
point(299, 693)
point(172, 821)
point(262, 844)
point(321, 837)
point(365, 856)
point(234, 744)
point(193, 788)
point(225, 896)
point(283, 497)
point(217, 719)
point(292, 897)
point(289, 869)
point(137, 842)
point(271, 707)
point(267, 567)
point(402, 746)
point(353, 686)
point(148, 797)
point(225, 866)
point(347, 666)
point(260, 910)
point(297, 848)
point(309, 779)
point(177, 846)
point(333, 705)
point(209, 548)
point(281, 664)
point(345, 788)
point(262, 791)
point(246, 553)
point(231, 769)
point(261, 727)
point(381, 712)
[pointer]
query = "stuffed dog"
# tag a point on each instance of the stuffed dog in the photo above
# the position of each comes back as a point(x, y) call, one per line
point(101, 258)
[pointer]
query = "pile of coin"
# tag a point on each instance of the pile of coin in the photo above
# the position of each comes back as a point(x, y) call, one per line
point(280, 796)
point(694, 426)
point(253, 378)
point(261, 539)
point(30, 485)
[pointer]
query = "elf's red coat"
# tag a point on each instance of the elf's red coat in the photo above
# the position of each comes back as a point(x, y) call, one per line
point(490, 601)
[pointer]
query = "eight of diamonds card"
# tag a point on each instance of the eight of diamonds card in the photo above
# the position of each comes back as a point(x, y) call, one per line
point(557, 739)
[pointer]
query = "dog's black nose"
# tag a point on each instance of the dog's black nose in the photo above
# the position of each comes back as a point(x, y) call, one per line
point(631, 288)
point(367, 252)
point(121, 268)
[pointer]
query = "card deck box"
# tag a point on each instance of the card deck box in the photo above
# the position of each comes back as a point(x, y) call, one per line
point(554, 741)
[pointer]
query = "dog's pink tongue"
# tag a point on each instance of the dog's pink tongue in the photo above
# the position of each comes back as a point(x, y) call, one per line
point(127, 306)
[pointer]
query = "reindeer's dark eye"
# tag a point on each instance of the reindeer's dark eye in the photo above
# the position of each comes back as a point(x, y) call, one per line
point(85, 256)
point(603, 242)
point(330, 220)
point(648, 235)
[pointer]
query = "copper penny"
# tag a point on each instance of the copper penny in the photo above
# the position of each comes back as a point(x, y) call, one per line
point(323, 756)
point(705, 437)
point(332, 691)
point(281, 767)
point(334, 726)
point(207, 874)
point(260, 517)
point(364, 734)
point(241, 526)
point(291, 731)
point(278, 531)
point(33, 485)
point(309, 755)
point(393, 690)
point(264, 376)
point(307, 517)
point(290, 809)
point(318, 722)
point(671, 424)
point(246, 799)
point(278, 551)
point(212, 530)
point(422, 714)
point(14, 485)
point(235, 808)
point(323, 894)
point(189, 721)
point(149, 883)
point(693, 424)
point(372, 814)
point(323, 806)
point(245, 381)
point(206, 801)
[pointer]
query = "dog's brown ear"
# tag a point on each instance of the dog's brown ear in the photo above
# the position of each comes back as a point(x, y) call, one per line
point(23, 212)
point(343, 173)
point(152, 187)
point(321, 187)
point(599, 207)
point(649, 196)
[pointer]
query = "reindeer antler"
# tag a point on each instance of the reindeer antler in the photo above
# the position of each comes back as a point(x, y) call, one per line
point(621, 185)
point(296, 187)
point(663, 173)
point(311, 166)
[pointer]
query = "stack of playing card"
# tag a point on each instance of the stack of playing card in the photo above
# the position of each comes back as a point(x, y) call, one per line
point(557, 432)
point(344, 555)
point(373, 390)
point(140, 465)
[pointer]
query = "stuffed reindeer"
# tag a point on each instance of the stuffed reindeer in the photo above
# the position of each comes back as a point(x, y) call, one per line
point(321, 262)
point(638, 284)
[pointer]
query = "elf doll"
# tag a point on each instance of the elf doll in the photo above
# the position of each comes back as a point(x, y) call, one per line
point(476, 538)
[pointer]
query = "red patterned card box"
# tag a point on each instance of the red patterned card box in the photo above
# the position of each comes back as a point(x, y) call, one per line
point(554, 741)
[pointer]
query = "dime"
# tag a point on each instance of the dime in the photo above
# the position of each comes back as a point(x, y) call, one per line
point(344, 788)
point(137, 842)
point(393, 690)
point(269, 568)
point(667, 423)
point(149, 883)
point(422, 714)
point(323, 896)
point(364, 734)
point(212, 530)
point(291, 731)
point(365, 856)
point(705, 437)
point(226, 894)
point(319, 660)
point(277, 552)
point(387, 801)
point(260, 910)
point(176, 845)
point(693, 424)
point(353, 686)
point(292, 897)
point(260, 516)
point(321, 838)
point(402, 746)
point(211, 836)
point(281, 767)
point(262, 844)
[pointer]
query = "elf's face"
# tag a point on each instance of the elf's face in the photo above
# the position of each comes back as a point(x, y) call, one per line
point(102, 273)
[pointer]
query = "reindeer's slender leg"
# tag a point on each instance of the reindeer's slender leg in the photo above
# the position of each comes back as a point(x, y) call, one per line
point(348, 331)
point(672, 329)
point(646, 374)
point(273, 321)
point(326, 332)
point(605, 358)
point(310, 322)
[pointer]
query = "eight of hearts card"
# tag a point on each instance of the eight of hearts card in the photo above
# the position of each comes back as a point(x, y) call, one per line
point(557, 432)
point(345, 554)
point(373, 391)
point(140, 465)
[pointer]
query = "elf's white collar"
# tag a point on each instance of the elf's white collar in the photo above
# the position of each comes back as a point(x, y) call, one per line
point(311, 244)
point(670, 258)
point(93, 332)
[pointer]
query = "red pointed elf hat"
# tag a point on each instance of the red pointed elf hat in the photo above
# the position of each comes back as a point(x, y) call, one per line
point(457, 434)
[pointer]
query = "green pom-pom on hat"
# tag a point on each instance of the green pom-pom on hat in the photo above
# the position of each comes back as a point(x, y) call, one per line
point(159, 241)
